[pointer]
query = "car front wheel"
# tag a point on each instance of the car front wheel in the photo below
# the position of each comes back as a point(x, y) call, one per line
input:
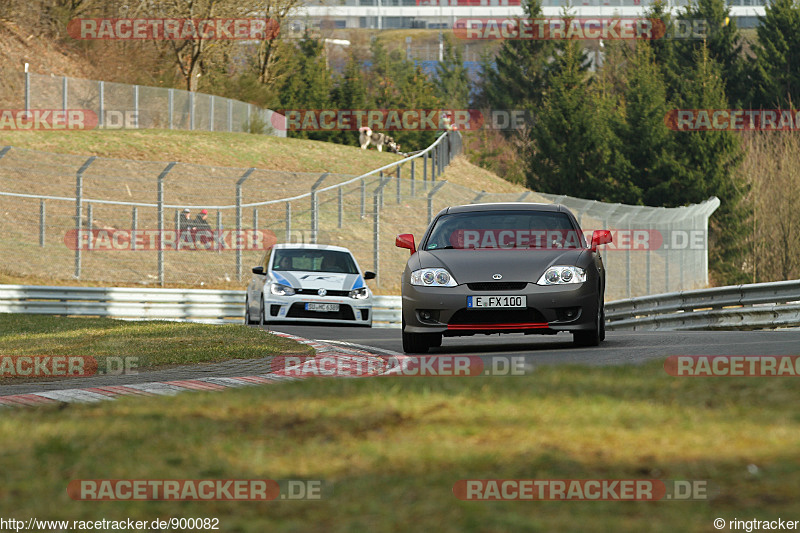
point(593, 336)
point(419, 342)
point(262, 315)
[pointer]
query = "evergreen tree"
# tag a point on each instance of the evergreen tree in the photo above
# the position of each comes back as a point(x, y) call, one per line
point(776, 67)
point(710, 161)
point(452, 77)
point(349, 93)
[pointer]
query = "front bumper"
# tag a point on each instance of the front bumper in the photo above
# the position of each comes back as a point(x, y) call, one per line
point(292, 309)
point(550, 309)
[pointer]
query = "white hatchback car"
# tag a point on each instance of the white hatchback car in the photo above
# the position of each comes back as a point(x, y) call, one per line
point(309, 283)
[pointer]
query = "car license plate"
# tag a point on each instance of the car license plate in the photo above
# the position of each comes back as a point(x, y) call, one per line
point(322, 307)
point(496, 301)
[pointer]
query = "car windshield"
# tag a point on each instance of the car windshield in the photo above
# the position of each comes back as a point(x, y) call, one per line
point(503, 230)
point(314, 261)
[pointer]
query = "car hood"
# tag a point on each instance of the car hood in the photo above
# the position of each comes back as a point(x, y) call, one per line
point(469, 266)
point(299, 279)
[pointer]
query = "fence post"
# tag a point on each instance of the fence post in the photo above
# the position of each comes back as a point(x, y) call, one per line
point(211, 114)
point(430, 199)
point(363, 197)
point(425, 170)
point(239, 222)
point(101, 114)
point(41, 222)
point(315, 207)
point(136, 103)
point(434, 153)
point(134, 221)
point(413, 192)
point(220, 242)
point(79, 214)
point(90, 244)
point(64, 97)
point(255, 219)
point(398, 184)
point(160, 200)
point(171, 101)
point(191, 111)
point(27, 89)
point(288, 222)
point(341, 206)
point(230, 115)
point(376, 228)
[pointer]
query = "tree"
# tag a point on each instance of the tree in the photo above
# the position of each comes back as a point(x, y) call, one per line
point(776, 67)
point(349, 93)
point(710, 160)
point(452, 77)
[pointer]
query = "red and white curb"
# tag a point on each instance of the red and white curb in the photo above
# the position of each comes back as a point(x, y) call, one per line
point(344, 353)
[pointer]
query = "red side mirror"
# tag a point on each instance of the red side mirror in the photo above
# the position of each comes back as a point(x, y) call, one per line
point(406, 240)
point(600, 236)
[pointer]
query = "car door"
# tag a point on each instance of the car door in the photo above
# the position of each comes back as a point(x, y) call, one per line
point(256, 285)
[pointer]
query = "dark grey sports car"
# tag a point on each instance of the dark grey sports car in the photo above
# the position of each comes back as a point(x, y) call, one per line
point(502, 268)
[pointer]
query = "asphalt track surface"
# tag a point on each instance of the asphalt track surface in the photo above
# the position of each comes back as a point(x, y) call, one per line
point(618, 348)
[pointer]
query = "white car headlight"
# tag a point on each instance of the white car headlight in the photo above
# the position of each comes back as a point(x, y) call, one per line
point(359, 294)
point(562, 275)
point(281, 290)
point(433, 277)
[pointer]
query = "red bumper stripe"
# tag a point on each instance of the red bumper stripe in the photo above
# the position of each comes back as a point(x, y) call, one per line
point(482, 327)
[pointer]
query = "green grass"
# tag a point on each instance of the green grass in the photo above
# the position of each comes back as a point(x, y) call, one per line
point(155, 344)
point(392, 448)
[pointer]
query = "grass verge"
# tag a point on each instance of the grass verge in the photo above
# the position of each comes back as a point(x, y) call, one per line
point(154, 344)
point(394, 447)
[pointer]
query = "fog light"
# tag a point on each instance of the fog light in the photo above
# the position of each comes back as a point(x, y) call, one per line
point(570, 313)
point(425, 315)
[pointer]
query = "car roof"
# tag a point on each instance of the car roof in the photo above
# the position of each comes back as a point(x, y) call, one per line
point(300, 246)
point(506, 206)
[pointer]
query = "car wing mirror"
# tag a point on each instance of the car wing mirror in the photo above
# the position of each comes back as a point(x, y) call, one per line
point(601, 236)
point(258, 270)
point(368, 274)
point(406, 240)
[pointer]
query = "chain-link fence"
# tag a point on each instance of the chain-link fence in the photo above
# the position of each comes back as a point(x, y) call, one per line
point(62, 214)
point(123, 106)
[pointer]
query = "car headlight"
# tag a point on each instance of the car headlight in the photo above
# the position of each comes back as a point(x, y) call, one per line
point(562, 275)
point(433, 277)
point(359, 294)
point(280, 289)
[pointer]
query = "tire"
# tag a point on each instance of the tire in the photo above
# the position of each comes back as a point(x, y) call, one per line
point(262, 314)
point(593, 336)
point(415, 342)
point(248, 318)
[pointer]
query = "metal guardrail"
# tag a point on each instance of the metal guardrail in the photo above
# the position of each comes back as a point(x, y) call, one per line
point(750, 306)
point(132, 303)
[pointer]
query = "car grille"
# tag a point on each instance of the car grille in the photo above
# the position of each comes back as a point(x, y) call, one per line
point(329, 293)
point(298, 310)
point(496, 316)
point(497, 286)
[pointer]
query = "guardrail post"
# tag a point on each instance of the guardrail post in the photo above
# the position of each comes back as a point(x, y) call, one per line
point(288, 222)
point(376, 229)
point(430, 199)
point(79, 214)
point(160, 200)
point(134, 221)
point(398, 184)
point(238, 240)
point(41, 222)
point(315, 207)
point(341, 207)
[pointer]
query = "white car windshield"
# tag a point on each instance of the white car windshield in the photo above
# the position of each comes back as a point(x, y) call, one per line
point(314, 261)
